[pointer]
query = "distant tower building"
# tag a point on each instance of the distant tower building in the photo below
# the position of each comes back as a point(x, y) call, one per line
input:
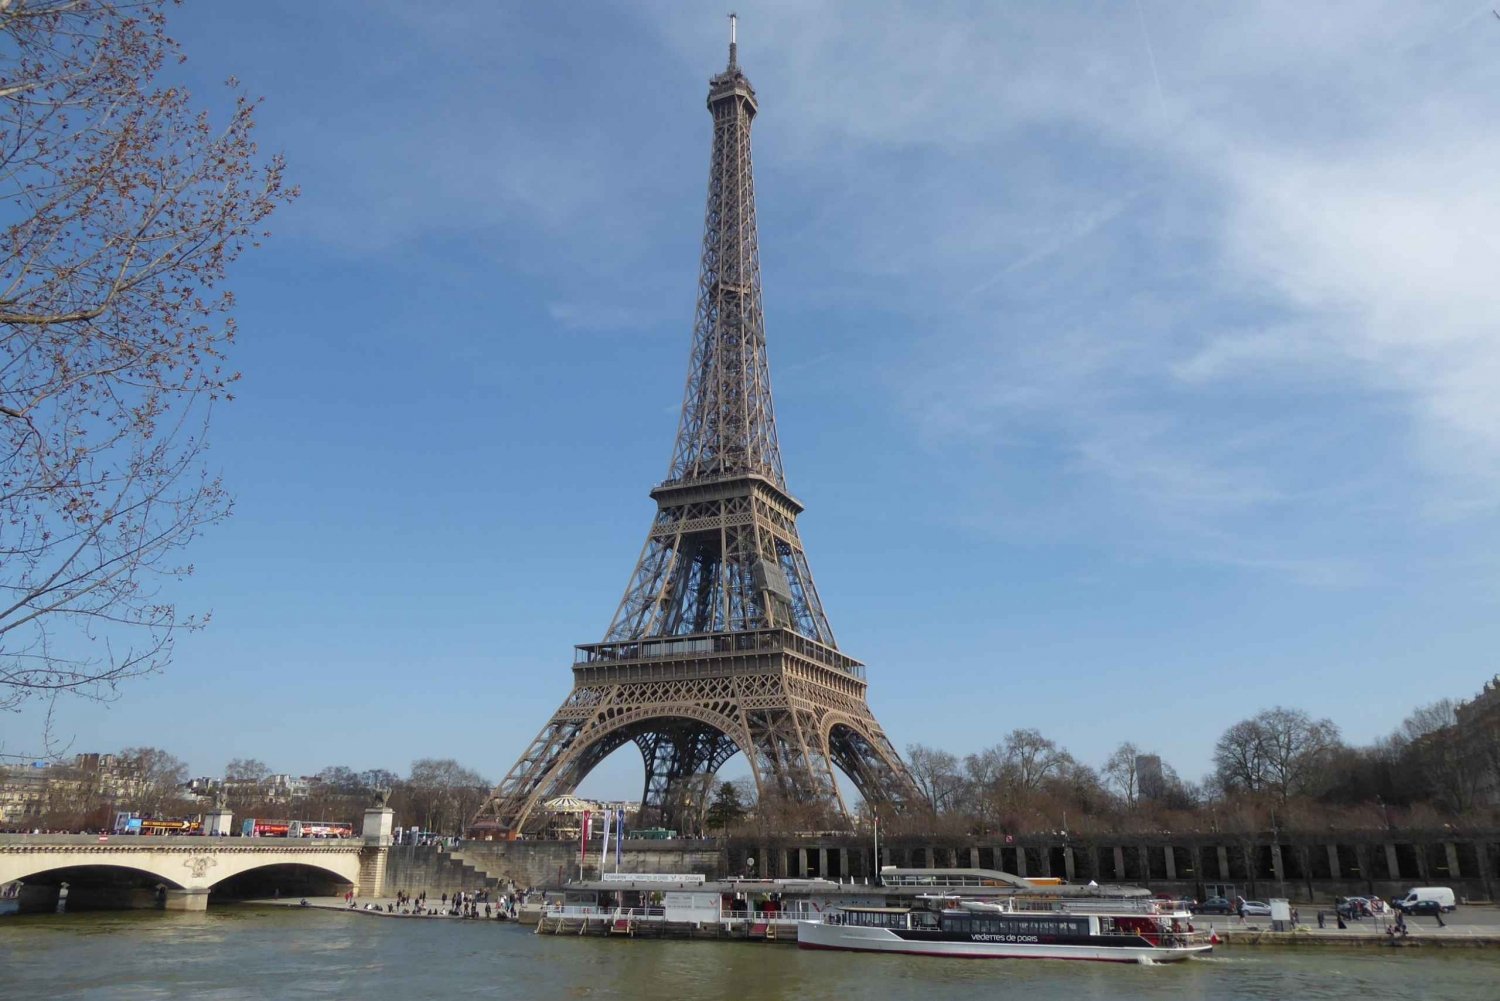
point(1150, 782)
point(720, 645)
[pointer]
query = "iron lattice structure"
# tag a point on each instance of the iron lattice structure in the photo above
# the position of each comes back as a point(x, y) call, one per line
point(720, 645)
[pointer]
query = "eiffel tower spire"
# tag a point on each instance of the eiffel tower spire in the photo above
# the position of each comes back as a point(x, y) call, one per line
point(726, 450)
point(728, 423)
point(720, 645)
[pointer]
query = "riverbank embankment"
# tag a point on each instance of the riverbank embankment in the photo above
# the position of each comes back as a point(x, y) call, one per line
point(1469, 927)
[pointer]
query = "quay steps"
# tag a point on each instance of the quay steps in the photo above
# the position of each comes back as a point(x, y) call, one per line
point(418, 868)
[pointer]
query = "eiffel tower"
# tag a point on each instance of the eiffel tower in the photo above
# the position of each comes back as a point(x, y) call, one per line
point(720, 645)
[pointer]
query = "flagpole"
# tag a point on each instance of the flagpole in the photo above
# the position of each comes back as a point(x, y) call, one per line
point(609, 815)
point(583, 855)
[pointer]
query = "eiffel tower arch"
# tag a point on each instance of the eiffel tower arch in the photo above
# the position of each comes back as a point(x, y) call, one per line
point(720, 645)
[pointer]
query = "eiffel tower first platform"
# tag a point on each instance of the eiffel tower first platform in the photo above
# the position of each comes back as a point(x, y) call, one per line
point(720, 644)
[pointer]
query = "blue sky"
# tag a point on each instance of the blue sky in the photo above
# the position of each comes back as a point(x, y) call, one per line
point(1136, 363)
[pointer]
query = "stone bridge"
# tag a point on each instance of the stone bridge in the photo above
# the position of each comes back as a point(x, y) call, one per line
point(178, 872)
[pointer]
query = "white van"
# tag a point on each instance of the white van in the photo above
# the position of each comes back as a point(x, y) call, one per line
point(1442, 894)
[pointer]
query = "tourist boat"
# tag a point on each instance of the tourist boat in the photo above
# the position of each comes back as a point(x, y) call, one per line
point(1122, 931)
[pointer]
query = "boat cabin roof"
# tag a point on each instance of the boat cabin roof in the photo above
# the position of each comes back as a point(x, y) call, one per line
point(877, 910)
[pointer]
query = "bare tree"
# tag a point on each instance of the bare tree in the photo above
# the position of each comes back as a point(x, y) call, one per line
point(1239, 758)
point(246, 770)
point(244, 787)
point(1278, 750)
point(1449, 759)
point(983, 794)
point(126, 209)
point(1297, 746)
point(1120, 770)
point(936, 774)
point(158, 777)
point(443, 794)
point(1031, 759)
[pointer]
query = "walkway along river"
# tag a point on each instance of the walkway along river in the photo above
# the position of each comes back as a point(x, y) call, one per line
point(247, 952)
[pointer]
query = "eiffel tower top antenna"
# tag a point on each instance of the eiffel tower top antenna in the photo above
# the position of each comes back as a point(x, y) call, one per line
point(733, 47)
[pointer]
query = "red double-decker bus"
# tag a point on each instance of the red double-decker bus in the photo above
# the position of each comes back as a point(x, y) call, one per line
point(263, 828)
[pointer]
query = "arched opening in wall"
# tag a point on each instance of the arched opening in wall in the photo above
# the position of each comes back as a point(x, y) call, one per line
point(285, 882)
point(93, 888)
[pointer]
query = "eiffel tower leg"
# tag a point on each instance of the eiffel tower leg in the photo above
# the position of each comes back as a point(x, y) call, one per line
point(792, 762)
point(554, 763)
point(864, 753)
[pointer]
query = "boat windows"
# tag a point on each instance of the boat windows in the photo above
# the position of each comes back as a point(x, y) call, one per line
point(875, 918)
point(985, 925)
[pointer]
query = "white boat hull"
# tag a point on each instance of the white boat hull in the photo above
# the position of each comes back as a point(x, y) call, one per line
point(817, 935)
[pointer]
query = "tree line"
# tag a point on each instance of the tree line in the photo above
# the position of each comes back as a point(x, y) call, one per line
point(1279, 767)
point(437, 794)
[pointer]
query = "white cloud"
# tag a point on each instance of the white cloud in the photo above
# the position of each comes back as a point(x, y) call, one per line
point(1392, 250)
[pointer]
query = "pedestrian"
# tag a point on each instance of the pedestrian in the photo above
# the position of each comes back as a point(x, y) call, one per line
point(1439, 915)
point(1321, 920)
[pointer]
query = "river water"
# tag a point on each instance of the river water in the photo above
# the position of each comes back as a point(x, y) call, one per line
point(235, 953)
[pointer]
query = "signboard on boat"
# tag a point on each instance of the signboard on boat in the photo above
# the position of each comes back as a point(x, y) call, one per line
point(653, 877)
point(691, 906)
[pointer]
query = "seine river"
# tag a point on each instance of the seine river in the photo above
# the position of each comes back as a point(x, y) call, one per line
point(254, 953)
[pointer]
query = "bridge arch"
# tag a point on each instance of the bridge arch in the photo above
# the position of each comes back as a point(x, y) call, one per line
point(285, 879)
point(41, 871)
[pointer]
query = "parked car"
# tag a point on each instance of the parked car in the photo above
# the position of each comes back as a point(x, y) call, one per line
point(1352, 907)
point(1442, 895)
point(1256, 909)
point(1425, 907)
point(1214, 905)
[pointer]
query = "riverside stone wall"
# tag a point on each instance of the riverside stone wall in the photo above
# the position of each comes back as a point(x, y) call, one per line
point(1298, 865)
point(477, 864)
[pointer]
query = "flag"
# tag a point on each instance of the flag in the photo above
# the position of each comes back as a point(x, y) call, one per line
point(604, 840)
point(619, 836)
point(588, 823)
